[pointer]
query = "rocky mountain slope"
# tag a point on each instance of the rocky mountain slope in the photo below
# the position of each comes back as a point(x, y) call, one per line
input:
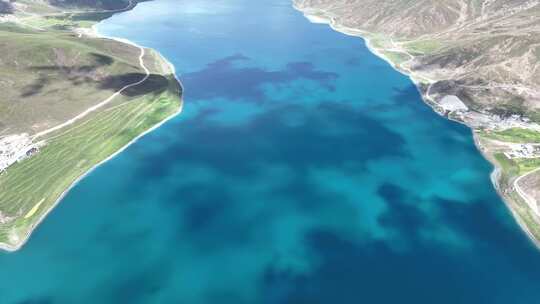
point(485, 52)
point(477, 61)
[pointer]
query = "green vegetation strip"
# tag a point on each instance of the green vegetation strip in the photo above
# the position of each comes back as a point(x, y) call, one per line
point(509, 168)
point(67, 21)
point(67, 156)
point(423, 46)
point(396, 57)
point(516, 135)
point(525, 214)
point(517, 166)
point(527, 164)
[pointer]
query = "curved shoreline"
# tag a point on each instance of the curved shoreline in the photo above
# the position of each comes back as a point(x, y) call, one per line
point(494, 175)
point(95, 32)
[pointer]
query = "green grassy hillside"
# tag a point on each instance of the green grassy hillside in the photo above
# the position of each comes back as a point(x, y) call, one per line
point(29, 189)
point(48, 77)
point(50, 74)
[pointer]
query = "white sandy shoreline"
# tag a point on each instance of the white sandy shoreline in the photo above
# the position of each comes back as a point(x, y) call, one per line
point(313, 17)
point(95, 33)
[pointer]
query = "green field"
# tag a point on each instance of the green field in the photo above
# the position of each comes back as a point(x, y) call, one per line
point(66, 21)
point(527, 164)
point(49, 74)
point(423, 46)
point(512, 168)
point(396, 57)
point(509, 168)
point(516, 135)
point(525, 214)
point(70, 154)
point(516, 166)
point(57, 22)
point(58, 74)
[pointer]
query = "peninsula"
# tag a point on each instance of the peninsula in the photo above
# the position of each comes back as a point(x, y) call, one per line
point(71, 100)
point(476, 62)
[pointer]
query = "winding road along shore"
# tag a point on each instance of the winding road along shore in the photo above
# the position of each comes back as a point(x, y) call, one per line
point(104, 102)
point(526, 197)
point(21, 241)
point(323, 17)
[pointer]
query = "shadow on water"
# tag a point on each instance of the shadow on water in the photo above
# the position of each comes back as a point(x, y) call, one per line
point(233, 82)
point(304, 174)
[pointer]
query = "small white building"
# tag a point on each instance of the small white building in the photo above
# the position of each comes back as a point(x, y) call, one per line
point(14, 148)
point(523, 151)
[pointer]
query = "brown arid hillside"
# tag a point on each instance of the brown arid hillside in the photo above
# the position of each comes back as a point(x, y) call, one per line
point(476, 61)
point(486, 52)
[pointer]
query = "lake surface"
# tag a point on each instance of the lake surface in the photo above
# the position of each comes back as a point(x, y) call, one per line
point(303, 170)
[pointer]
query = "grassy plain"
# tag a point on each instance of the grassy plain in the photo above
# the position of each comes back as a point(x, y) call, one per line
point(421, 47)
point(48, 77)
point(516, 135)
point(50, 74)
point(71, 153)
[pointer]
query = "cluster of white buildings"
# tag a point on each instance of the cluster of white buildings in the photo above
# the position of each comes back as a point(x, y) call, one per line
point(523, 151)
point(14, 148)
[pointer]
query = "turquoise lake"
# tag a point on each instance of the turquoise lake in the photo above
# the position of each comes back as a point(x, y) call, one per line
point(303, 169)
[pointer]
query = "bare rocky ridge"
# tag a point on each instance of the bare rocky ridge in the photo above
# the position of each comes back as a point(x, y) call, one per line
point(485, 52)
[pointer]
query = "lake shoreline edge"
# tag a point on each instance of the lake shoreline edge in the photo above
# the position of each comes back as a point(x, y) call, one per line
point(95, 34)
point(321, 17)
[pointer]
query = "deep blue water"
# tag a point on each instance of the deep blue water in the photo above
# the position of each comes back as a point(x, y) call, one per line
point(302, 170)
